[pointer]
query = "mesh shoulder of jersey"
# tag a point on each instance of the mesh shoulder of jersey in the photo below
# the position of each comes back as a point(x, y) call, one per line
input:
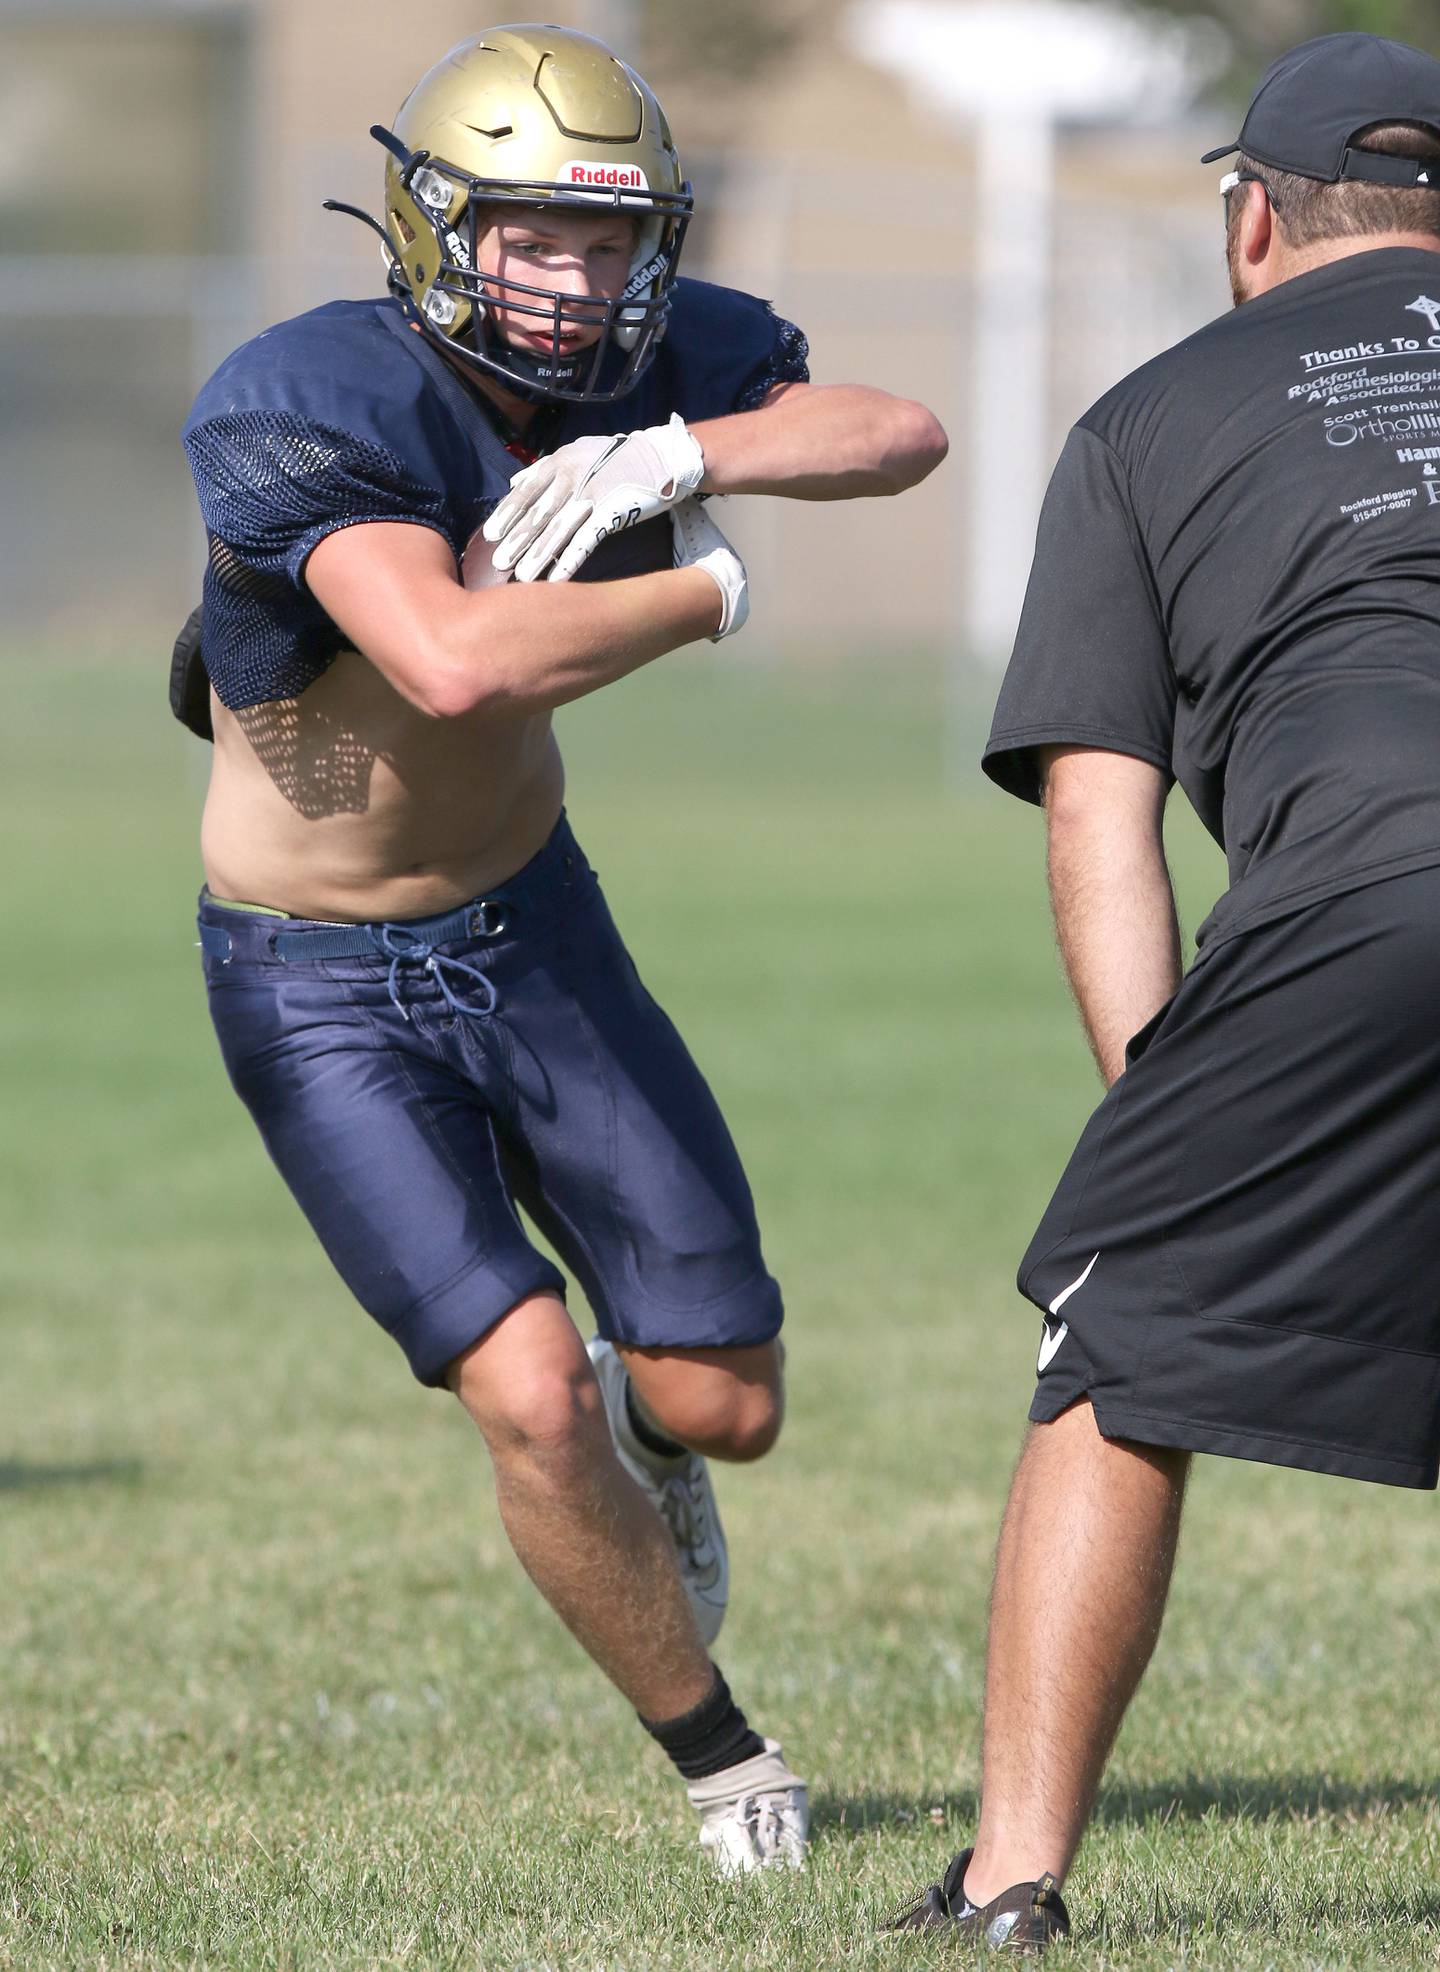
point(321, 423)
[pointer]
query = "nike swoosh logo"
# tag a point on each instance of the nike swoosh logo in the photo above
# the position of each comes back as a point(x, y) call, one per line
point(1049, 1342)
point(1052, 1338)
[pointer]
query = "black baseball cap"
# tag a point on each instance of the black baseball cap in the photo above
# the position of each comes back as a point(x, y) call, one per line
point(1314, 101)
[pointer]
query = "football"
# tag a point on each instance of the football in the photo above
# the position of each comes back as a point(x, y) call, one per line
point(639, 550)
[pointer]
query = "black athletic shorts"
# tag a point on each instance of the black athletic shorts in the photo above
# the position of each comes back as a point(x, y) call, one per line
point(1243, 1255)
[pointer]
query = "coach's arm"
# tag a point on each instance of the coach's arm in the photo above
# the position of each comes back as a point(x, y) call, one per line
point(1111, 892)
point(822, 442)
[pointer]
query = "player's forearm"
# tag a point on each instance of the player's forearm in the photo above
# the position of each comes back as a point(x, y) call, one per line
point(822, 442)
point(1113, 901)
point(521, 649)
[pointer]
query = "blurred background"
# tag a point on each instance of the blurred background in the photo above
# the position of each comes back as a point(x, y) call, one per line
point(276, 1696)
point(993, 204)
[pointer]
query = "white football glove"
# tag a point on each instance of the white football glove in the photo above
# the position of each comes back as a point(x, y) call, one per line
point(559, 510)
point(700, 544)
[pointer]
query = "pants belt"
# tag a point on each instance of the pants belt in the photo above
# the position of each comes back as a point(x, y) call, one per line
point(409, 944)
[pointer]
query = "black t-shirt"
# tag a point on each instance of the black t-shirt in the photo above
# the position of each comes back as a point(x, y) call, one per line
point(1237, 577)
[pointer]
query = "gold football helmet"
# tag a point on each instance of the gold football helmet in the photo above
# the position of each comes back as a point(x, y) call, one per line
point(532, 116)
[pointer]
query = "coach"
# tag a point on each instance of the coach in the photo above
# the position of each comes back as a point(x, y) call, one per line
point(1236, 587)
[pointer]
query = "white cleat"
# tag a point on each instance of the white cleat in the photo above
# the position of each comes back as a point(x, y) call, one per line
point(753, 1816)
point(680, 1491)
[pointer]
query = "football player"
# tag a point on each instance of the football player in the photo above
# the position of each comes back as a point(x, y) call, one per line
point(417, 987)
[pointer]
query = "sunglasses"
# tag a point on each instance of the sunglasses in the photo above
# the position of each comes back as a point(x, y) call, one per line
point(1234, 179)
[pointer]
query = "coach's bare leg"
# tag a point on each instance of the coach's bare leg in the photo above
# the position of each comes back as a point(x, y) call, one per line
point(1086, 1553)
point(723, 1403)
point(584, 1532)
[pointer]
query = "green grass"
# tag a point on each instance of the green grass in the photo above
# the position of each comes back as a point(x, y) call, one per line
point(273, 1693)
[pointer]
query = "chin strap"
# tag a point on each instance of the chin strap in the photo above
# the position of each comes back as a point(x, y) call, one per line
point(530, 377)
point(409, 162)
point(401, 152)
point(367, 219)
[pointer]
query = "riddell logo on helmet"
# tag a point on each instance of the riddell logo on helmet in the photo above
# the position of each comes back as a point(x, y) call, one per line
point(605, 177)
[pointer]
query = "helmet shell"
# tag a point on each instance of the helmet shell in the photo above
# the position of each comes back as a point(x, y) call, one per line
point(534, 115)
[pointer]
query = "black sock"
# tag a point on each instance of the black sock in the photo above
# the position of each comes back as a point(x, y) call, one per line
point(715, 1734)
point(650, 1438)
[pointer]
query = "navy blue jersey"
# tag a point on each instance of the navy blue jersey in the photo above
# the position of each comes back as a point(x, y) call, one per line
point(348, 414)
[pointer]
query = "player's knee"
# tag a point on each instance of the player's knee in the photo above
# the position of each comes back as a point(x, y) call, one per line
point(550, 1419)
point(755, 1427)
point(735, 1421)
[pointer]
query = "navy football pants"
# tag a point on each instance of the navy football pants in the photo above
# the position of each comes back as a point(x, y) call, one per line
point(412, 1095)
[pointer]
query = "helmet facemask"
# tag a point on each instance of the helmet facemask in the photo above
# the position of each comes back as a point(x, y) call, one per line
point(457, 304)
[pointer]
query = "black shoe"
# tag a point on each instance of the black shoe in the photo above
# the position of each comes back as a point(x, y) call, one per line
point(1026, 1917)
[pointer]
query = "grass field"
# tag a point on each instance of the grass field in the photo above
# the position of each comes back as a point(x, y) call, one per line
point(273, 1693)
